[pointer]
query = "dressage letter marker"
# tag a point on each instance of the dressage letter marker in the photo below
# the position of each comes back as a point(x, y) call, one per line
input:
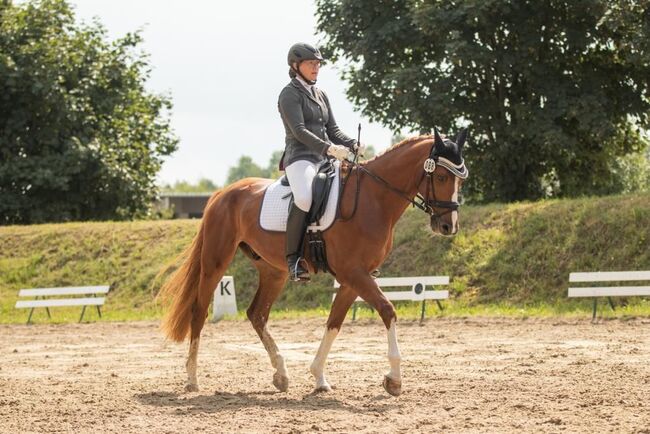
point(225, 301)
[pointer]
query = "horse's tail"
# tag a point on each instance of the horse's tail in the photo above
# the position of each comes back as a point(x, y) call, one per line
point(181, 290)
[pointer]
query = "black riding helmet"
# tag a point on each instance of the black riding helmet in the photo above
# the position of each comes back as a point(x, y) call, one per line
point(300, 52)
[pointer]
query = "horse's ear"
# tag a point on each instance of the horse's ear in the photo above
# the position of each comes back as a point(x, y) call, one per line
point(437, 139)
point(461, 138)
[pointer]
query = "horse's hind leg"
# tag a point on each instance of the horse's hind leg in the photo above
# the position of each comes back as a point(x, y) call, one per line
point(219, 248)
point(344, 299)
point(271, 283)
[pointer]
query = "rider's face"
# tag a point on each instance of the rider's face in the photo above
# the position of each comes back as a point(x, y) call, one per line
point(309, 69)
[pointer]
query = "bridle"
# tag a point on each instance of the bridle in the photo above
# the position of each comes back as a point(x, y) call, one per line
point(421, 202)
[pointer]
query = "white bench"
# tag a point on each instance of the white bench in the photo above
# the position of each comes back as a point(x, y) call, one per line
point(42, 293)
point(608, 291)
point(417, 292)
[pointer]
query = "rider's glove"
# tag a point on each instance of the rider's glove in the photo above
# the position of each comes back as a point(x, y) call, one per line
point(337, 151)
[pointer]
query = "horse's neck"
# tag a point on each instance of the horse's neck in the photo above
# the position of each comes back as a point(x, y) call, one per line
point(402, 169)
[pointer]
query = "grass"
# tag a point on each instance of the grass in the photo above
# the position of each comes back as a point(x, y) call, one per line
point(508, 260)
point(406, 311)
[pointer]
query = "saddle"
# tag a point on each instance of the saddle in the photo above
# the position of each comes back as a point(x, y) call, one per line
point(322, 213)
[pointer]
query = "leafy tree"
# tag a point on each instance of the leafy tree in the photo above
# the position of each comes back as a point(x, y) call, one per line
point(245, 168)
point(80, 136)
point(555, 91)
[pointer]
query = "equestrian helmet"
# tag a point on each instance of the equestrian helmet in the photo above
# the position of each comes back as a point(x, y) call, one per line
point(301, 51)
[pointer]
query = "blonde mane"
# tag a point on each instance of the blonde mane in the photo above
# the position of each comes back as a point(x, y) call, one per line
point(407, 141)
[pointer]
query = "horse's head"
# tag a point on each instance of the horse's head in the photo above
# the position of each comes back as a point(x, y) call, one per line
point(444, 172)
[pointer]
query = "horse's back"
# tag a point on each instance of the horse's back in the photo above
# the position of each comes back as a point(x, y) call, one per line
point(244, 195)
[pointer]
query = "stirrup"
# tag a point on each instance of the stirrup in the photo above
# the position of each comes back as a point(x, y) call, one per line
point(297, 273)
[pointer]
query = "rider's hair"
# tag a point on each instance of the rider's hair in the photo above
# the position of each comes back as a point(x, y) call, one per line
point(292, 73)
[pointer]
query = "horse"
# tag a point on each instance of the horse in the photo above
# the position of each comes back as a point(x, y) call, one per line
point(427, 167)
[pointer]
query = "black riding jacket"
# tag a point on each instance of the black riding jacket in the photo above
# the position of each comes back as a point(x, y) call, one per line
point(309, 124)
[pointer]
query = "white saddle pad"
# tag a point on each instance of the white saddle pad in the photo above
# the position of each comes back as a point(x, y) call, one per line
point(275, 206)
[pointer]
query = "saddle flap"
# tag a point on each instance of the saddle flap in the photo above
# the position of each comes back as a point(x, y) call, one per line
point(321, 187)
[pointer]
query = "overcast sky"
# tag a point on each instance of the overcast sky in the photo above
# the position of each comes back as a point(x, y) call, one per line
point(224, 64)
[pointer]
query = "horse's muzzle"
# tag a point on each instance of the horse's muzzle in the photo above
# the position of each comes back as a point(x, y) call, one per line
point(444, 226)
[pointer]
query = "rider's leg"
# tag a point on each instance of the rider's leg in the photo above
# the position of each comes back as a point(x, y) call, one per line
point(301, 174)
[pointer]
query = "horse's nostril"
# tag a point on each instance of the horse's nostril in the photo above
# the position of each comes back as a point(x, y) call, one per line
point(445, 228)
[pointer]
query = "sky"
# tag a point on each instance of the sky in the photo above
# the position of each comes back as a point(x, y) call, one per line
point(224, 65)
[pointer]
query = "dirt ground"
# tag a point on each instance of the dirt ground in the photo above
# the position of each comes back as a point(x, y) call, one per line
point(473, 375)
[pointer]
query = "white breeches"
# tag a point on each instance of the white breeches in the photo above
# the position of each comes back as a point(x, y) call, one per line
point(301, 174)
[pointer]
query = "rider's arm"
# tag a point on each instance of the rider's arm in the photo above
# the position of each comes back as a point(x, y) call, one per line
point(291, 111)
point(333, 131)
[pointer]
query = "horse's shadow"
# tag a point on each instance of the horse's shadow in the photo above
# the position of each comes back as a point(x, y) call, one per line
point(225, 401)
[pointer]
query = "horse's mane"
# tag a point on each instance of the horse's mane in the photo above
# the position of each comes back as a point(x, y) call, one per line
point(407, 141)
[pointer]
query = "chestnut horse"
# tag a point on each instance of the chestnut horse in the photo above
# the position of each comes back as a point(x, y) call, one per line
point(427, 166)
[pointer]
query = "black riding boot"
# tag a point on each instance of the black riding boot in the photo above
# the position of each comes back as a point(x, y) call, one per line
point(296, 226)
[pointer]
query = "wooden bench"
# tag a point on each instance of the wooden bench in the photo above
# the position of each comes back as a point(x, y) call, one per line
point(43, 293)
point(608, 291)
point(417, 292)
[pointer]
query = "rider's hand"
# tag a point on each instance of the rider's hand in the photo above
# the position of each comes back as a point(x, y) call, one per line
point(339, 152)
point(360, 149)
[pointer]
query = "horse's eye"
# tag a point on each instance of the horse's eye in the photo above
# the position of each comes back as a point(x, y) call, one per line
point(442, 178)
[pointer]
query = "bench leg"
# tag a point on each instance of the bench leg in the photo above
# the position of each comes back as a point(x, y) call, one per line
point(593, 316)
point(611, 303)
point(99, 312)
point(29, 319)
point(439, 305)
point(355, 306)
point(82, 314)
point(424, 306)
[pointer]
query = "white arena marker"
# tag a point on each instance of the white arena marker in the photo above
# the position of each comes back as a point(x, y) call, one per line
point(225, 301)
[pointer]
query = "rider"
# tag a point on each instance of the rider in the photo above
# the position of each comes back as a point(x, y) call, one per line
point(311, 135)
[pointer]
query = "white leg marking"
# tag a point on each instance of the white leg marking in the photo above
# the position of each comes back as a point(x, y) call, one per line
point(281, 376)
point(192, 383)
point(394, 356)
point(274, 353)
point(317, 368)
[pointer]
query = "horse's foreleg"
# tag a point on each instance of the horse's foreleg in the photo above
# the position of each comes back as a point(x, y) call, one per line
point(368, 290)
point(271, 282)
point(344, 299)
point(393, 380)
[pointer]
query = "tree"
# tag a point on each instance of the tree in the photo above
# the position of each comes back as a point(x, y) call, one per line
point(554, 91)
point(80, 136)
point(245, 168)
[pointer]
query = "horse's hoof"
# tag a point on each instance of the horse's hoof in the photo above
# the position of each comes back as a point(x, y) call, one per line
point(189, 387)
point(393, 387)
point(281, 382)
point(323, 389)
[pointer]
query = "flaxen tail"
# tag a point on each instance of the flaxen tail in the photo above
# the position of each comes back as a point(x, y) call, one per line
point(181, 290)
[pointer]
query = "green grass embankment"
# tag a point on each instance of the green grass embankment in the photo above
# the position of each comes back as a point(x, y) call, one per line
point(507, 260)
